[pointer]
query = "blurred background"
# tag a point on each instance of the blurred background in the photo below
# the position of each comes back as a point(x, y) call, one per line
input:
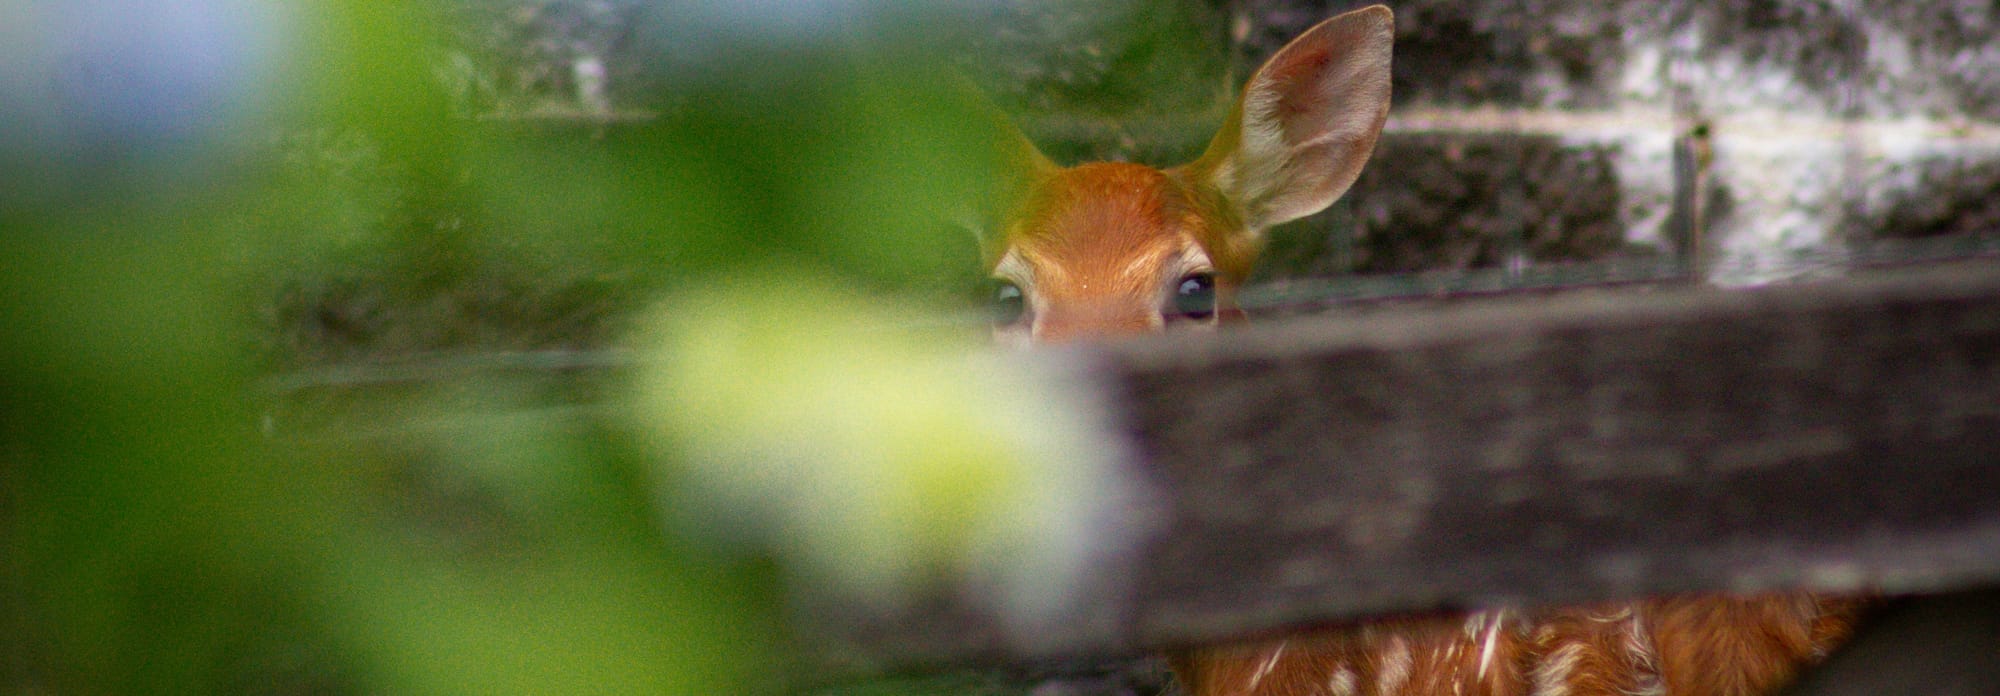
point(537, 346)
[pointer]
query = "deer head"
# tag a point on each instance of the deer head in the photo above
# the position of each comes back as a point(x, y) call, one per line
point(1113, 248)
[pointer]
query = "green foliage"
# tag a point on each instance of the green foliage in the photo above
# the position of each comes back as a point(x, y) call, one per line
point(325, 393)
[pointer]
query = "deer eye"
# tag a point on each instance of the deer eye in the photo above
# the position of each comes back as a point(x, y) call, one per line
point(1194, 297)
point(1005, 302)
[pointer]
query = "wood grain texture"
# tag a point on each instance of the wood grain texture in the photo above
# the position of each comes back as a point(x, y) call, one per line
point(1563, 448)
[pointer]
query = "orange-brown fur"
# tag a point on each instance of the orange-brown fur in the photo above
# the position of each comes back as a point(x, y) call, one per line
point(1095, 245)
point(1089, 224)
point(1707, 644)
point(1095, 236)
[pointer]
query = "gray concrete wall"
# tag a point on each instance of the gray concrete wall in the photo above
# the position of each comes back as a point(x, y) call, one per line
point(1741, 141)
point(1746, 141)
point(1752, 140)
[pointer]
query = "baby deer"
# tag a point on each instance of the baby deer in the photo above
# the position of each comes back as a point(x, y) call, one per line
point(1110, 248)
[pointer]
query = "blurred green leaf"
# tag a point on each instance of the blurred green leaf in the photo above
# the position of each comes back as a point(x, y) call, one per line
point(173, 519)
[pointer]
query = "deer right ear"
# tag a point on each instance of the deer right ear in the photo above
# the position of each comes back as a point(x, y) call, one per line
point(1306, 123)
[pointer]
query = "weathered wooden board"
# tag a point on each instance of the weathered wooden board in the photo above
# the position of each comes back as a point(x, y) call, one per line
point(1554, 448)
point(1606, 444)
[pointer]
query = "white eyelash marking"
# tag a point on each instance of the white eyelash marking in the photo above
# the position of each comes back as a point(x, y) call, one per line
point(1194, 259)
point(1012, 267)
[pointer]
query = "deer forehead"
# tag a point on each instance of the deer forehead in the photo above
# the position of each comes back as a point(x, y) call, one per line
point(1104, 229)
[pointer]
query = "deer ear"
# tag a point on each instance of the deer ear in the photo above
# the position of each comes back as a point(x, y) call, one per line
point(1019, 167)
point(1007, 163)
point(1306, 123)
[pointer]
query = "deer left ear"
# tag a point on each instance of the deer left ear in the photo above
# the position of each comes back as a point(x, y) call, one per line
point(1005, 161)
point(1306, 123)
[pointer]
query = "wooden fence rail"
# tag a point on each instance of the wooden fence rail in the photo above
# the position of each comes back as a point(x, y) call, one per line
point(1584, 445)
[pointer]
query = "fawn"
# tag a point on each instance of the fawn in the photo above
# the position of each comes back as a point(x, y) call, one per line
point(1112, 248)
